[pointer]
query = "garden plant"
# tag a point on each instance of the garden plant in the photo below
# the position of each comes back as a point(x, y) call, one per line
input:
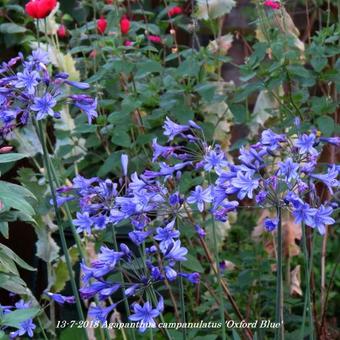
point(169, 170)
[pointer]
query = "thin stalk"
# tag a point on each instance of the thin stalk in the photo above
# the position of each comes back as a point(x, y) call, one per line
point(279, 333)
point(42, 329)
point(69, 217)
point(154, 300)
point(59, 221)
point(126, 303)
point(308, 302)
point(181, 290)
point(220, 291)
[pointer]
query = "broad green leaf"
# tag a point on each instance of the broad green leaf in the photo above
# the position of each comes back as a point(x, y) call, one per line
point(14, 196)
point(4, 229)
point(11, 157)
point(326, 125)
point(192, 264)
point(148, 66)
point(11, 28)
point(7, 265)
point(13, 283)
point(121, 138)
point(11, 254)
point(13, 319)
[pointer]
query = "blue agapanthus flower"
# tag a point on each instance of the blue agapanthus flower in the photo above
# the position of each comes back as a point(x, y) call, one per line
point(44, 106)
point(32, 91)
point(245, 184)
point(200, 196)
point(26, 327)
point(144, 314)
point(270, 224)
point(306, 144)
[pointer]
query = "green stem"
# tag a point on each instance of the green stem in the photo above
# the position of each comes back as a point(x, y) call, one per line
point(308, 303)
point(220, 290)
point(42, 329)
point(126, 303)
point(181, 290)
point(279, 334)
point(47, 164)
point(69, 217)
point(154, 300)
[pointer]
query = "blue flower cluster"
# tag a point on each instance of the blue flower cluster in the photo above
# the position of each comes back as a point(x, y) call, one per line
point(278, 171)
point(32, 89)
point(26, 327)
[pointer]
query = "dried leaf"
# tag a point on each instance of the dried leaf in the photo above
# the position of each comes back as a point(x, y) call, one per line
point(212, 9)
point(265, 107)
point(259, 234)
point(221, 45)
point(292, 232)
point(295, 281)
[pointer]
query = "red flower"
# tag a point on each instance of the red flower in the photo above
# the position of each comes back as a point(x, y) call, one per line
point(128, 43)
point(101, 25)
point(109, 2)
point(124, 25)
point(175, 11)
point(155, 39)
point(62, 32)
point(40, 9)
point(272, 4)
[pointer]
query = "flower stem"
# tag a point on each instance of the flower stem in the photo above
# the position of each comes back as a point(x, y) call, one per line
point(220, 291)
point(181, 292)
point(279, 334)
point(308, 303)
point(47, 164)
point(126, 303)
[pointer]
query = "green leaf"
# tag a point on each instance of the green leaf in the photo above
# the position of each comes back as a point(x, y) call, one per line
point(13, 319)
point(11, 254)
point(110, 164)
point(14, 196)
point(11, 28)
point(239, 112)
point(326, 125)
point(148, 66)
point(11, 157)
point(193, 264)
point(121, 138)
point(4, 229)
point(13, 284)
point(61, 275)
point(299, 71)
point(7, 265)
point(318, 63)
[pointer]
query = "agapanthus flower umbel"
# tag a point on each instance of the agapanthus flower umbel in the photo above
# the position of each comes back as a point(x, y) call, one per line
point(31, 90)
point(142, 275)
point(148, 194)
point(26, 327)
point(281, 171)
